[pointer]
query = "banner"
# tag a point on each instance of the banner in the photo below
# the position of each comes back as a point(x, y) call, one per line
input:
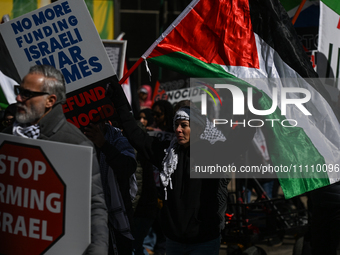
point(102, 12)
point(44, 196)
point(63, 35)
point(329, 41)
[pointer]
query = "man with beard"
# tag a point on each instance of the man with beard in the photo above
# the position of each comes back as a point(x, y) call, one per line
point(39, 115)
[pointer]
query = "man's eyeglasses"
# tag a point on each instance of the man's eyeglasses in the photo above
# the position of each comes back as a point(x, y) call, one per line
point(27, 94)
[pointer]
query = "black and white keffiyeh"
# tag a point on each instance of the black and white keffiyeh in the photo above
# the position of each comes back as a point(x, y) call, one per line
point(169, 163)
point(181, 114)
point(212, 134)
point(192, 114)
point(25, 130)
point(170, 159)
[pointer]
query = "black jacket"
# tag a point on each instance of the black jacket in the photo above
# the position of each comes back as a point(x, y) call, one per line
point(189, 215)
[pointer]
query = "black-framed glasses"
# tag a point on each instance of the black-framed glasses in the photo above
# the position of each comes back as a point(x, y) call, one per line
point(27, 94)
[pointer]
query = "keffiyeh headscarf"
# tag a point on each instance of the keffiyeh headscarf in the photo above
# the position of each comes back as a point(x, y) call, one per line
point(212, 134)
point(191, 114)
point(169, 164)
point(25, 130)
point(170, 160)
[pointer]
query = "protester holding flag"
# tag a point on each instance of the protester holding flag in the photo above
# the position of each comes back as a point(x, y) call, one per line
point(250, 42)
point(189, 215)
point(40, 115)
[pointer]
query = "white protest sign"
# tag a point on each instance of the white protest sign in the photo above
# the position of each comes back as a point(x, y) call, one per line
point(116, 51)
point(45, 192)
point(61, 34)
point(191, 93)
point(329, 40)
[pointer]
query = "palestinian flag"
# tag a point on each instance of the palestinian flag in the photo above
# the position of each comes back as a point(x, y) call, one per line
point(329, 37)
point(291, 6)
point(7, 95)
point(244, 39)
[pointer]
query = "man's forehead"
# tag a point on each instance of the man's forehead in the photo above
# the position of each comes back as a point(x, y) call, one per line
point(33, 80)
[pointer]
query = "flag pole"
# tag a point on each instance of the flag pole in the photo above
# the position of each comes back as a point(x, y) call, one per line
point(133, 68)
point(298, 11)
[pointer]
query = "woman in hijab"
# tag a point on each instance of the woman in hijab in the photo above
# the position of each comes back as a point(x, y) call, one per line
point(193, 208)
point(145, 95)
point(146, 117)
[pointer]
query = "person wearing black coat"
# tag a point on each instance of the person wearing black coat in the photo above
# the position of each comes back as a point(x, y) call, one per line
point(190, 213)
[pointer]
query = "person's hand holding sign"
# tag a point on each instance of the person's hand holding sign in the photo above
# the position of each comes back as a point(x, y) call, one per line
point(95, 132)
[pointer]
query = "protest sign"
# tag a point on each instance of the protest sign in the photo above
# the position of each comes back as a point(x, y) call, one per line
point(45, 191)
point(116, 51)
point(63, 35)
point(193, 94)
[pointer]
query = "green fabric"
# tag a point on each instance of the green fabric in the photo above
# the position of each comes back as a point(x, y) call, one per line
point(188, 65)
point(333, 4)
point(287, 146)
point(290, 4)
point(21, 7)
point(104, 33)
point(89, 4)
point(3, 100)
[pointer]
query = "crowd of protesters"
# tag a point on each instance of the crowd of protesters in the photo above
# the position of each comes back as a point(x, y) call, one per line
point(185, 210)
point(141, 184)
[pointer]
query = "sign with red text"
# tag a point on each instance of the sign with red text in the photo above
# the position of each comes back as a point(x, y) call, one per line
point(44, 196)
point(62, 34)
point(91, 104)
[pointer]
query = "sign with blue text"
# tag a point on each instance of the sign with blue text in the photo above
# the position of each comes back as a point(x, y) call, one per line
point(63, 35)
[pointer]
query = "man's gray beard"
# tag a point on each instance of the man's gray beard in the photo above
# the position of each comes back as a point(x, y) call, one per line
point(30, 115)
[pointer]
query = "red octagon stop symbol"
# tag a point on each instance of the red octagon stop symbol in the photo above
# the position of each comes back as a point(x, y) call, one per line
point(32, 198)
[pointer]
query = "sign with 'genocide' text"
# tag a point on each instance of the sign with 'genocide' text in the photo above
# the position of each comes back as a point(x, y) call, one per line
point(44, 196)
